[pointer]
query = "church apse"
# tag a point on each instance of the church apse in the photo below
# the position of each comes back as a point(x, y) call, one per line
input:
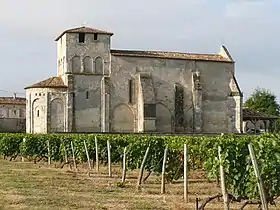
point(57, 115)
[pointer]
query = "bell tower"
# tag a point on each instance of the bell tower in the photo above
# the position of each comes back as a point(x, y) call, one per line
point(84, 61)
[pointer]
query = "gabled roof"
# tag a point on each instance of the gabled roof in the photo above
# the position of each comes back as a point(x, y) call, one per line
point(12, 100)
point(83, 30)
point(249, 114)
point(171, 55)
point(53, 82)
point(236, 89)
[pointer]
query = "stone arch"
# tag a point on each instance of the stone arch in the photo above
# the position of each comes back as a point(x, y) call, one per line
point(37, 116)
point(123, 119)
point(76, 64)
point(99, 65)
point(56, 115)
point(88, 65)
point(163, 118)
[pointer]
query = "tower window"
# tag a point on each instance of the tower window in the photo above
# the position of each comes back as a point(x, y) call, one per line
point(95, 36)
point(38, 113)
point(87, 94)
point(82, 37)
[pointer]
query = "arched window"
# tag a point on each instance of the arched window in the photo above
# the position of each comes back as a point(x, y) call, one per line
point(76, 64)
point(99, 66)
point(88, 65)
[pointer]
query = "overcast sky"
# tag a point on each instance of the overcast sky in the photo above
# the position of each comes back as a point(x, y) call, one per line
point(250, 29)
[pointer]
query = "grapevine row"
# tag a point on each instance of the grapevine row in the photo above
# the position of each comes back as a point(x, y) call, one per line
point(240, 178)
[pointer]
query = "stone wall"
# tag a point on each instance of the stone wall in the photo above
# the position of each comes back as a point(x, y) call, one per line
point(12, 125)
point(45, 110)
point(163, 76)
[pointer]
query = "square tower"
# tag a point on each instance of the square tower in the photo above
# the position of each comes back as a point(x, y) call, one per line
point(83, 50)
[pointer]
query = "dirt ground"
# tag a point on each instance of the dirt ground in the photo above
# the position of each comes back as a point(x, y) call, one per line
point(25, 185)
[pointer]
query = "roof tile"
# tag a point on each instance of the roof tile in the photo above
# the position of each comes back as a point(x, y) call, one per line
point(53, 82)
point(12, 100)
point(171, 55)
point(249, 114)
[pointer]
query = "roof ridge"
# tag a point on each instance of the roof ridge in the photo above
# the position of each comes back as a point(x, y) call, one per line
point(170, 55)
point(158, 51)
point(83, 29)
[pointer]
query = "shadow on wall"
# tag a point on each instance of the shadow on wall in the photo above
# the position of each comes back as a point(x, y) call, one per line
point(12, 125)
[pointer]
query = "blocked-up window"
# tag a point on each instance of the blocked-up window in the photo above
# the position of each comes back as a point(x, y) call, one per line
point(149, 110)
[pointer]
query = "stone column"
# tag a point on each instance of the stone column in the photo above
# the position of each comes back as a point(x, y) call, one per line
point(70, 108)
point(107, 104)
point(48, 112)
point(102, 106)
point(197, 102)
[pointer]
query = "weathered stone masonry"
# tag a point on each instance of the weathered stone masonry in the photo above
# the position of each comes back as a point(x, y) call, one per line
point(98, 89)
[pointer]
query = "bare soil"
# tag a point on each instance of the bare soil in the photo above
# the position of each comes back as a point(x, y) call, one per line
point(25, 185)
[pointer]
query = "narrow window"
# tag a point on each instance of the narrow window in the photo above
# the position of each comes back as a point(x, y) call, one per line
point(95, 36)
point(179, 105)
point(130, 90)
point(38, 113)
point(15, 112)
point(82, 37)
point(87, 94)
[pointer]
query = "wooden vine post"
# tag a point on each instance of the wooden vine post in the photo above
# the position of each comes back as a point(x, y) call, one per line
point(186, 173)
point(109, 158)
point(163, 171)
point(223, 184)
point(124, 166)
point(88, 159)
point(49, 152)
point(139, 182)
point(24, 140)
point(96, 155)
point(257, 173)
point(73, 154)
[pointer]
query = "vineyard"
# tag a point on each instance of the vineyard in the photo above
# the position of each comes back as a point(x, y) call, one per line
point(240, 179)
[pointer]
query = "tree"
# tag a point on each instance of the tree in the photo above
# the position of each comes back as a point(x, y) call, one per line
point(264, 101)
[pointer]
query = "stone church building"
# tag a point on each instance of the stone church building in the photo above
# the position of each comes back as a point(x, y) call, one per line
point(99, 89)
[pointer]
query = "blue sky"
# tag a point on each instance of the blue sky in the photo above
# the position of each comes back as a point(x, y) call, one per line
point(250, 29)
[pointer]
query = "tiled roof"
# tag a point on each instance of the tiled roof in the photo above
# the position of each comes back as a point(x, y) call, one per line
point(53, 82)
point(251, 115)
point(83, 30)
point(171, 55)
point(12, 100)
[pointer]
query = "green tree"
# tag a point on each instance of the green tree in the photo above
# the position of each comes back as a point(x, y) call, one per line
point(264, 101)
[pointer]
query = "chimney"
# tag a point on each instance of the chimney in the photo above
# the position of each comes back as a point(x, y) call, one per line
point(15, 96)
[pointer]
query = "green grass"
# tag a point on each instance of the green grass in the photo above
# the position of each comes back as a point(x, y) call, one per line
point(25, 185)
